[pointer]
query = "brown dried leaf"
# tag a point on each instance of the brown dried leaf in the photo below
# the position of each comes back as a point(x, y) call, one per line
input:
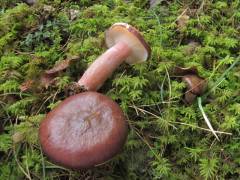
point(179, 71)
point(47, 79)
point(62, 65)
point(26, 85)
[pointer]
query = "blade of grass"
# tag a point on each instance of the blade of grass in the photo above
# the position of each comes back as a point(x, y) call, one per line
point(206, 118)
point(162, 90)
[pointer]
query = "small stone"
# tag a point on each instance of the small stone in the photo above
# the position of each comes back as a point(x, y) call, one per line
point(17, 137)
point(48, 8)
point(73, 13)
point(30, 2)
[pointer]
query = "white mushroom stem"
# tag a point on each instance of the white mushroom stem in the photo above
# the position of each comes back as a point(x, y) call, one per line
point(102, 68)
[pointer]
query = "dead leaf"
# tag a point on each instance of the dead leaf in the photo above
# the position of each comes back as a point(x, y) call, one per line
point(26, 85)
point(62, 65)
point(179, 71)
point(47, 79)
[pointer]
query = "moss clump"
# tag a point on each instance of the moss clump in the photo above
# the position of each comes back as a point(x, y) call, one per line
point(167, 138)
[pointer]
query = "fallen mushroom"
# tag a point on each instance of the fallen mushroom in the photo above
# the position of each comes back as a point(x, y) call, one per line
point(85, 130)
point(89, 128)
point(124, 43)
point(195, 84)
point(195, 87)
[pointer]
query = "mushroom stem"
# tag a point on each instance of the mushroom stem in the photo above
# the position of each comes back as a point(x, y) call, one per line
point(103, 66)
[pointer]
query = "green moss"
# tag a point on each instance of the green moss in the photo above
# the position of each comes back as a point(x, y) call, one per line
point(167, 138)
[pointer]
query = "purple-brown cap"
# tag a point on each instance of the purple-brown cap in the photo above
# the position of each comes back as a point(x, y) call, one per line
point(85, 130)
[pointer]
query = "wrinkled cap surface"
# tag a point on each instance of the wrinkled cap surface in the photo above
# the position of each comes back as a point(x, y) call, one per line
point(85, 130)
point(132, 37)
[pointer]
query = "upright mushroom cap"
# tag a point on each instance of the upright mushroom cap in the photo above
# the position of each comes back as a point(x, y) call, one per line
point(132, 37)
point(85, 130)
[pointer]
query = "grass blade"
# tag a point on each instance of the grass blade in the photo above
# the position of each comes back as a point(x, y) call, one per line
point(206, 118)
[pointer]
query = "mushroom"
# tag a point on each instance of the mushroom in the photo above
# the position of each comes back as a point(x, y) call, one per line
point(85, 130)
point(89, 128)
point(125, 43)
point(195, 87)
point(195, 84)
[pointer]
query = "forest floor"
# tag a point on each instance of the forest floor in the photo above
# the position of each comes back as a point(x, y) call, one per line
point(168, 133)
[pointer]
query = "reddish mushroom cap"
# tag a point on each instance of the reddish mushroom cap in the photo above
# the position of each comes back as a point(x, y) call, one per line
point(85, 130)
point(140, 50)
point(195, 84)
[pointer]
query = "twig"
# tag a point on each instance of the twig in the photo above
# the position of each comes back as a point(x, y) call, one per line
point(156, 116)
point(15, 93)
point(161, 92)
point(169, 84)
point(219, 132)
point(181, 123)
point(18, 163)
point(43, 164)
point(185, 10)
point(201, 7)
